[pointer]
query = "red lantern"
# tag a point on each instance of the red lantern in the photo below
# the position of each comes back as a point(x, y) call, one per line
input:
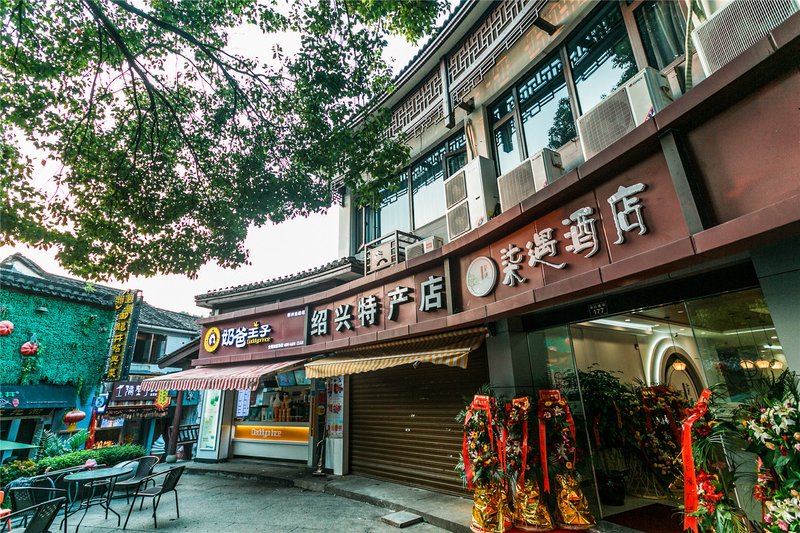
point(6, 328)
point(29, 348)
point(72, 418)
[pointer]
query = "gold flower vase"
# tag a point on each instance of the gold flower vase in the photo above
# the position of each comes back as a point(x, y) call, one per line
point(572, 509)
point(530, 509)
point(490, 511)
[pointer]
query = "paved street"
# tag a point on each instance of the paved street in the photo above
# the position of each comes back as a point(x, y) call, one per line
point(219, 504)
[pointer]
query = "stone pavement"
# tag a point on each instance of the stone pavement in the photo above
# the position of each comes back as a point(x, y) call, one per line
point(257, 495)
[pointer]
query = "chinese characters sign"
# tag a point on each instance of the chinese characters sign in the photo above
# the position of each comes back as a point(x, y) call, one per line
point(123, 337)
point(267, 332)
point(383, 307)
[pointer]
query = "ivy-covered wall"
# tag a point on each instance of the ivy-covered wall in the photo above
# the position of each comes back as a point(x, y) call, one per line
point(73, 341)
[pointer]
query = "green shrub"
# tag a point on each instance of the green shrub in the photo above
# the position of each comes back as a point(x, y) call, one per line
point(104, 456)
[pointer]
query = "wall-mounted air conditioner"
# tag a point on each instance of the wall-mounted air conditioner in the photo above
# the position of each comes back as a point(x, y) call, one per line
point(736, 27)
point(628, 106)
point(423, 247)
point(533, 175)
point(470, 196)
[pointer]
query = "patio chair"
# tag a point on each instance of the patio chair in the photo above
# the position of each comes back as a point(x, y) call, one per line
point(24, 501)
point(171, 478)
point(4, 512)
point(43, 516)
point(143, 470)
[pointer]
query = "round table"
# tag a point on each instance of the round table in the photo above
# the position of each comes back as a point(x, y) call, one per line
point(91, 479)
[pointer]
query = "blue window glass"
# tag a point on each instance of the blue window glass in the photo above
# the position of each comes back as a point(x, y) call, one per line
point(427, 184)
point(546, 115)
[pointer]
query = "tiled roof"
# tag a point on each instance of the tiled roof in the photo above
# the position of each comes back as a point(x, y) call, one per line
point(39, 281)
point(153, 316)
point(284, 279)
point(47, 284)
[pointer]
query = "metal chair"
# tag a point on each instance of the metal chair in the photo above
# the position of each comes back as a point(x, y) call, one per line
point(24, 500)
point(143, 470)
point(171, 478)
point(43, 516)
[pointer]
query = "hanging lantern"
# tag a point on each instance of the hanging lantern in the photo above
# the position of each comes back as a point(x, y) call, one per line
point(72, 418)
point(6, 328)
point(29, 349)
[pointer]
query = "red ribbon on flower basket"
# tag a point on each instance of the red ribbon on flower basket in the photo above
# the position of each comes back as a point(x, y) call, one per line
point(479, 403)
point(690, 497)
point(524, 407)
point(553, 396)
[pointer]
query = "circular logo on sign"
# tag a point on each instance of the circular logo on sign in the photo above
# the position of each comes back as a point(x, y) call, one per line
point(481, 276)
point(212, 339)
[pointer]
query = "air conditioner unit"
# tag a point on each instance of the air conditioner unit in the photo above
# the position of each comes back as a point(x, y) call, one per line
point(533, 175)
point(423, 247)
point(736, 27)
point(471, 197)
point(628, 106)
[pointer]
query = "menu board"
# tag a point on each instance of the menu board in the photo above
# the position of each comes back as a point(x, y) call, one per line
point(208, 424)
point(243, 403)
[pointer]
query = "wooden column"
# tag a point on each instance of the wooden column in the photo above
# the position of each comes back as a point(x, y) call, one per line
point(176, 422)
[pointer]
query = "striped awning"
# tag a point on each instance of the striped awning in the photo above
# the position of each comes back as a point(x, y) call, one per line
point(450, 349)
point(234, 377)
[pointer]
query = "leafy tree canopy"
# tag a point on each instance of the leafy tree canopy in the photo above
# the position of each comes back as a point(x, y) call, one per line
point(169, 144)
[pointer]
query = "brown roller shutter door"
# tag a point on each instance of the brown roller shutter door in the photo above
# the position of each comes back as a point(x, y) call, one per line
point(402, 422)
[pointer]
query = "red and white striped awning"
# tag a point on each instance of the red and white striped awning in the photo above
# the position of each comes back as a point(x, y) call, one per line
point(449, 349)
point(238, 377)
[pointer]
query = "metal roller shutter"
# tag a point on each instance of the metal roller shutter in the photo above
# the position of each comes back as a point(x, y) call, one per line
point(402, 422)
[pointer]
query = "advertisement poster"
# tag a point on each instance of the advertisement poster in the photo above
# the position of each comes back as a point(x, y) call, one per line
point(335, 422)
point(208, 426)
point(243, 403)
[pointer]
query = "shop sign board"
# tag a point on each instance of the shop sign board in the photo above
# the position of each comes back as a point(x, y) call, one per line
point(297, 434)
point(130, 391)
point(409, 300)
point(261, 333)
point(40, 397)
point(127, 307)
point(335, 418)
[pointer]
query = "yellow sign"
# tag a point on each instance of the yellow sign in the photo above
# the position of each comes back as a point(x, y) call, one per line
point(272, 433)
point(163, 399)
point(212, 339)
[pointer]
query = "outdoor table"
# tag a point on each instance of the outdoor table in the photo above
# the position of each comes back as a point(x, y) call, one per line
point(91, 479)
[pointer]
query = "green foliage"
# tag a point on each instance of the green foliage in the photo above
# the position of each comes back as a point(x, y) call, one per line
point(57, 361)
point(104, 456)
point(50, 445)
point(170, 146)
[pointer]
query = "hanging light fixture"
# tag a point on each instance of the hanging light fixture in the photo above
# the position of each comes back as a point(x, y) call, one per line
point(678, 365)
point(762, 364)
point(747, 364)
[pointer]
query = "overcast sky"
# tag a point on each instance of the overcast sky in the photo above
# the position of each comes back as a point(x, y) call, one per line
point(276, 250)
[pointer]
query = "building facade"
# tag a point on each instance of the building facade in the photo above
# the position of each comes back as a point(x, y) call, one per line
point(577, 198)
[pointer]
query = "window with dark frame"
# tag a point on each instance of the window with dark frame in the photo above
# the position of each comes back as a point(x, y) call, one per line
point(662, 27)
point(419, 198)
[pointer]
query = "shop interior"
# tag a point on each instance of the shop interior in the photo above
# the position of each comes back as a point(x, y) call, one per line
point(725, 342)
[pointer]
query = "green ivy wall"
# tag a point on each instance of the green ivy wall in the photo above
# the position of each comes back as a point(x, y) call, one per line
point(73, 341)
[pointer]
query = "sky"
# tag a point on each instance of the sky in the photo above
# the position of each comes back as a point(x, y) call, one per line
point(274, 250)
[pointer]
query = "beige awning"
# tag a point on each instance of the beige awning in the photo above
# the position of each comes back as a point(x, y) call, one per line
point(231, 377)
point(450, 349)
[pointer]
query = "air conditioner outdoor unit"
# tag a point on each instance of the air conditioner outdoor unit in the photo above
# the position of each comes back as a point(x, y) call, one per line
point(470, 196)
point(628, 106)
point(533, 175)
point(736, 27)
point(423, 247)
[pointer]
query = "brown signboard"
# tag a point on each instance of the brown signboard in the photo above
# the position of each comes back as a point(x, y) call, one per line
point(255, 334)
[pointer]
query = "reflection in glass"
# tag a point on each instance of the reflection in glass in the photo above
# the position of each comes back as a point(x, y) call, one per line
point(601, 56)
point(393, 214)
point(662, 28)
point(546, 116)
point(507, 147)
point(427, 184)
point(737, 341)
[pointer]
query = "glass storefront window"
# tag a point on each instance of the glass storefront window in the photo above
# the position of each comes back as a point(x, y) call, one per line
point(546, 115)
point(600, 56)
point(284, 400)
point(737, 342)
point(662, 28)
point(427, 185)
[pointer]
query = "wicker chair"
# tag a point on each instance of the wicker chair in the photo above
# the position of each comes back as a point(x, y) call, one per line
point(42, 518)
point(143, 470)
point(171, 478)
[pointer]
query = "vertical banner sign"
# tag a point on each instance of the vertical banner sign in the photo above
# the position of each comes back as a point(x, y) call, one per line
point(335, 427)
point(123, 338)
